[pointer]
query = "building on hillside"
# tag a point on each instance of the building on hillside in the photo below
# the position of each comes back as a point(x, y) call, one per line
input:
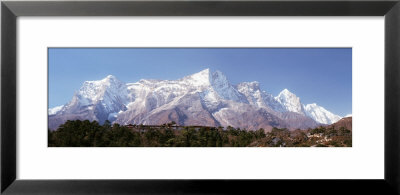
point(130, 126)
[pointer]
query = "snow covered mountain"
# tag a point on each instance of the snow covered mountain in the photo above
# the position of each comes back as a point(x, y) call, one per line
point(290, 101)
point(292, 104)
point(203, 98)
point(320, 114)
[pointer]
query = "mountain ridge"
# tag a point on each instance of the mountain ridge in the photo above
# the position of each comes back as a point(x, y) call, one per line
point(201, 98)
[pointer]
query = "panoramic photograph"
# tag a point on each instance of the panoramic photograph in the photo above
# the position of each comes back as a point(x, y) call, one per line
point(199, 97)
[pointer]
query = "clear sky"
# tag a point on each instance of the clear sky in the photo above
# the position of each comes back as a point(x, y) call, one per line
point(316, 75)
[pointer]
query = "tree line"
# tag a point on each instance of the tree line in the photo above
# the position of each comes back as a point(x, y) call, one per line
point(77, 133)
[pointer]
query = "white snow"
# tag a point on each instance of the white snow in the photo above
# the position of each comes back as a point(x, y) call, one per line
point(224, 89)
point(290, 101)
point(320, 114)
point(258, 98)
point(201, 78)
point(108, 92)
point(221, 116)
point(55, 110)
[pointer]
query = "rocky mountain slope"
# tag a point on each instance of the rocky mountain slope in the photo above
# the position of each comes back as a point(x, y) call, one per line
point(345, 122)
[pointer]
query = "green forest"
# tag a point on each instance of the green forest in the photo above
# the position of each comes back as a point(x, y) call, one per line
point(77, 133)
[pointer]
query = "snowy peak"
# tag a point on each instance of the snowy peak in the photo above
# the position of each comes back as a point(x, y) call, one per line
point(320, 114)
point(286, 93)
point(105, 96)
point(290, 101)
point(110, 77)
point(106, 81)
point(206, 78)
point(111, 80)
point(94, 90)
point(201, 78)
point(251, 90)
point(214, 86)
point(259, 98)
point(221, 85)
point(205, 72)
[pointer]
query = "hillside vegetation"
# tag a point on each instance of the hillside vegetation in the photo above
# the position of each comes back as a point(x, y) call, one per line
point(78, 133)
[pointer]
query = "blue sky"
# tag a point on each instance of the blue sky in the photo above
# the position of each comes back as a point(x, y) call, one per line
point(320, 75)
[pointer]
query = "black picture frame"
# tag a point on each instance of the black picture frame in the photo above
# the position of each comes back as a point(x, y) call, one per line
point(11, 10)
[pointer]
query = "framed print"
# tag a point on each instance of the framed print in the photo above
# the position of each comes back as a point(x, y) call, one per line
point(218, 97)
point(202, 108)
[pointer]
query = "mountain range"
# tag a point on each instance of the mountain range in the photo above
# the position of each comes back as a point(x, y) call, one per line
point(205, 98)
